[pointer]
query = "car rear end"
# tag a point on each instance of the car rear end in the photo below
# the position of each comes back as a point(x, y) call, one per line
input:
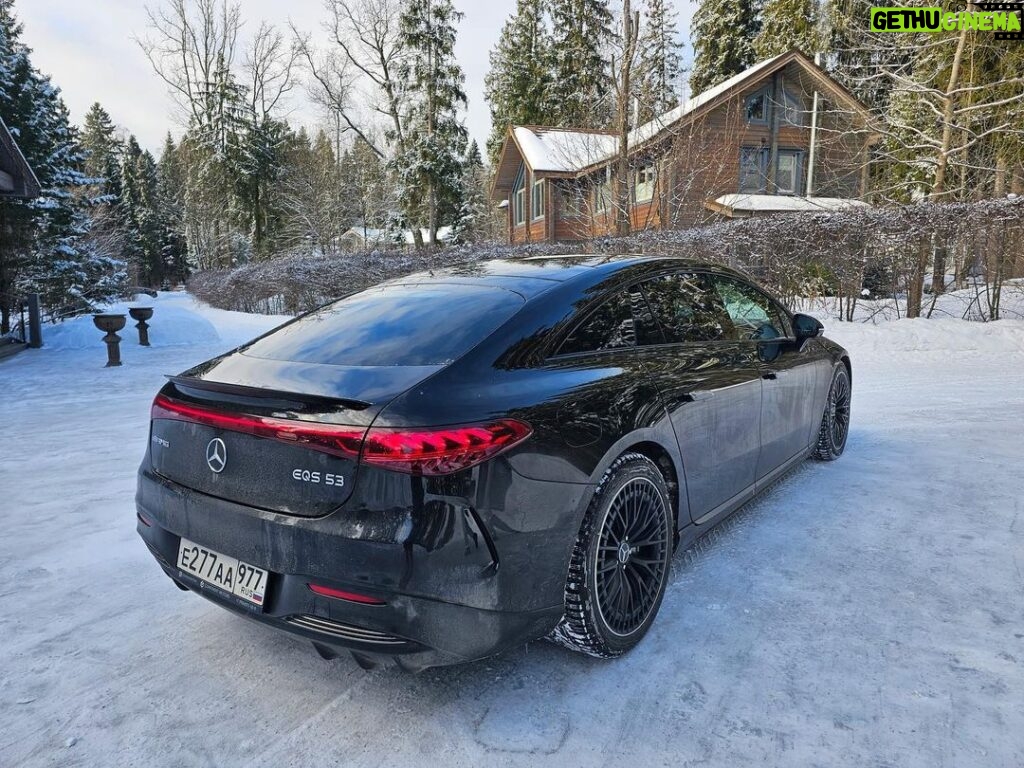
point(269, 488)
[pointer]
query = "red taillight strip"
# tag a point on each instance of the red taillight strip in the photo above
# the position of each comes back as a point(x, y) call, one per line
point(329, 438)
point(340, 594)
point(428, 452)
point(441, 451)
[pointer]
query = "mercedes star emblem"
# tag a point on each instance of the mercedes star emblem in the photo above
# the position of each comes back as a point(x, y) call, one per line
point(216, 455)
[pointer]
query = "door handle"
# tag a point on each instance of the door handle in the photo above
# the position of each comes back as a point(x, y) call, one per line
point(697, 395)
point(771, 375)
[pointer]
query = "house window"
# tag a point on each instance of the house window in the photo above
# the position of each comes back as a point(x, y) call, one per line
point(519, 206)
point(519, 199)
point(575, 198)
point(753, 165)
point(537, 199)
point(792, 109)
point(754, 171)
point(787, 175)
point(757, 107)
point(644, 187)
point(603, 196)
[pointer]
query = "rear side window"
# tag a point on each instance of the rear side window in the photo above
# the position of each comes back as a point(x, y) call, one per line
point(686, 309)
point(393, 325)
point(622, 321)
point(610, 326)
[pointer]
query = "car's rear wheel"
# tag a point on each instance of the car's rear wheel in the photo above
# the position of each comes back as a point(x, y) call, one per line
point(835, 423)
point(620, 562)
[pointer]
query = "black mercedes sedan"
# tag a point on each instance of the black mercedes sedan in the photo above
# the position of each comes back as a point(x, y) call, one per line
point(449, 464)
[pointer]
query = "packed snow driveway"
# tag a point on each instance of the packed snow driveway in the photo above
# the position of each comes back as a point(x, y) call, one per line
point(867, 612)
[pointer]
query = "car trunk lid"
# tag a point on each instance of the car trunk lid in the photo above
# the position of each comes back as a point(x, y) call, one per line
point(242, 433)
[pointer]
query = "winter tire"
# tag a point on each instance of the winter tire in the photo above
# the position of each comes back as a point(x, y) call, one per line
point(620, 562)
point(835, 423)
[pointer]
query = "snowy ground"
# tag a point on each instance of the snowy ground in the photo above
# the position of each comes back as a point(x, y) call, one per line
point(868, 612)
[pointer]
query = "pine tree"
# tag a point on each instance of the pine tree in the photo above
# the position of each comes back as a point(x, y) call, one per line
point(170, 181)
point(518, 85)
point(140, 216)
point(102, 168)
point(255, 164)
point(473, 219)
point(581, 87)
point(787, 24)
point(102, 154)
point(860, 59)
point(429, 159)
point(217, 221)
point(364, 187)
point(47, 245)
point(660, 61)
point(723, 33)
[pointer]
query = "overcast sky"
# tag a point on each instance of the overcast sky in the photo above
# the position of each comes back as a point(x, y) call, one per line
point(88, 48)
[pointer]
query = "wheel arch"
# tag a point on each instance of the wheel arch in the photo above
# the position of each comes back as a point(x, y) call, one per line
point(651, 444)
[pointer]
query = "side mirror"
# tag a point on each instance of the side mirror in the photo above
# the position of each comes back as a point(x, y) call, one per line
point(807, 327)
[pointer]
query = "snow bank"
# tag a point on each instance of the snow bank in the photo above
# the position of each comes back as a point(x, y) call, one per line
point(921, 337)
point(172, 325)
point(971, 303)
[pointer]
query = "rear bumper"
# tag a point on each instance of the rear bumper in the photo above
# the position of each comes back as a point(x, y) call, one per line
point(445, 601)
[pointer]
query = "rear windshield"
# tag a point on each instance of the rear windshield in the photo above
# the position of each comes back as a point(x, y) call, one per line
point(393, 325)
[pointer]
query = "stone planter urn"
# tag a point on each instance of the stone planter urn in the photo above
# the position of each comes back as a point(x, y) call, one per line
point(142, 314)
point(110, 325)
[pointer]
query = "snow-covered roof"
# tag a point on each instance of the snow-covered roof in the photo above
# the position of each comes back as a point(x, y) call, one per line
point(443, 234)
point(557, 150)
point(366, 233)
point(749, 204)
point(371, 235)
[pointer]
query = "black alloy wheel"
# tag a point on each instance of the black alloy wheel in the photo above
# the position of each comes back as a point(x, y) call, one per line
point(620, 562)
point(835, 423)
point(631, 560)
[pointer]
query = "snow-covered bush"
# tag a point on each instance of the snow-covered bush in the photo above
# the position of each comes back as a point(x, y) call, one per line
point(888, 251)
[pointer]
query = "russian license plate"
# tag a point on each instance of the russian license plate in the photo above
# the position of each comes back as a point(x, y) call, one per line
point(226, 573)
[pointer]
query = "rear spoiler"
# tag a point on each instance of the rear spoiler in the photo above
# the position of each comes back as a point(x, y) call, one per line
point(290, 401)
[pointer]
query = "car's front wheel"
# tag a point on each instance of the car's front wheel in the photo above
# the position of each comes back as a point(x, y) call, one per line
point(620, 562)
point(835, 423)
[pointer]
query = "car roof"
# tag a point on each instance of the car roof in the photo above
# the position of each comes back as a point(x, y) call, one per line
point(533, 275)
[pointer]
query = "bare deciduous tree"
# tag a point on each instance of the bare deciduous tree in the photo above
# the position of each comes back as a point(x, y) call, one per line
point(365, 62)
point(191, 47)
point(269, 64)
